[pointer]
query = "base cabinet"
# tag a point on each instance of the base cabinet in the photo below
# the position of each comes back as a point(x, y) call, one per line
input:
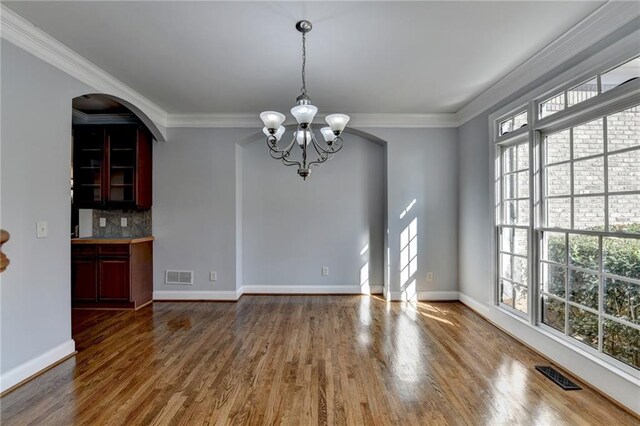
point(112, 275)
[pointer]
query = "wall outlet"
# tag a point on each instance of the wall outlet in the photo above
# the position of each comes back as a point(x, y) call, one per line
point(103, 222)
point(42, 229)
point(123, 222)
point(213, 276)
point(325, 271)
point(429, 276)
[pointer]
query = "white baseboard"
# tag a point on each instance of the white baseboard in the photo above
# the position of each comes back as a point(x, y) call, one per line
point(36, 365)
point(308, 289)
point(425, 296)
point(437, 295)
point(480, 308)
point(196, 295)
point(616, 384)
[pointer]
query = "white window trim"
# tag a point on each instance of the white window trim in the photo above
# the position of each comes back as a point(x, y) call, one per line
point(602, 104)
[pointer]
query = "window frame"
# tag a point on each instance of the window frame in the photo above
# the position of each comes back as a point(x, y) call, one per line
point(601, 105)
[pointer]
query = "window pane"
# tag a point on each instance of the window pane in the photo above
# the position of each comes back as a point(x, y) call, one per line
point(588, 176)
point(583, 251)
point(624, 171)
point(521, 298)
point(523, 156)
point(583, 326)
point(551, 106)
point(621, 256)
point(619, 75)
point(505, 266)
point(506, 126)
point(509, 159)
point(507, 240)
point(506, 293)
point(588, 139)
point(523, 212)
point(582, 92)
point(554, 248)
point(583, 288)
point(589, 213)
point(520, 267)
point(553, 279)
point(621, 342)
point(622, 300)
point(557, 146)
point(523, 184)
point(624, 213)
point(558, 179)
point(520, 244)
point(520, 120)
point(553, 313)
point(623, 129)
point(510, 186)
point(559, 213)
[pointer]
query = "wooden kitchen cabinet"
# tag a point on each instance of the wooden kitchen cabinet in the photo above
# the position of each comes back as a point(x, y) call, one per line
point(112, 167)
point(111, 273)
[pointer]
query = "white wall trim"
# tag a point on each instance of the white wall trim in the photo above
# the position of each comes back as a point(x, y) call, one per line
point(36, 365)
point(196, 295)
point(426, 296)
point(617, 384)
point(307, 289)
point(604, 21)
point(357, 120)
point(17, 30)
point(437, 295)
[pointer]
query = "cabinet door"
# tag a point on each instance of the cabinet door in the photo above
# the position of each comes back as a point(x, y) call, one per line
point(88, 166)
point(121, 142)
point(84, 279)
point(114, 279)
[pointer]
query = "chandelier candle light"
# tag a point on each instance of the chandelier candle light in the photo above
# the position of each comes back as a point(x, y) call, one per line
point(304, 112)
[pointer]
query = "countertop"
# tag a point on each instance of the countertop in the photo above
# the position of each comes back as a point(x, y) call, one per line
point(93, 240)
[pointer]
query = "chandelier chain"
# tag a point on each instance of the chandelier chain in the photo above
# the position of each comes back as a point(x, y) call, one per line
point(304, 63)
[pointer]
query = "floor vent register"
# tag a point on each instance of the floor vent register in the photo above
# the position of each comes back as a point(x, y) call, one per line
point(557, 377)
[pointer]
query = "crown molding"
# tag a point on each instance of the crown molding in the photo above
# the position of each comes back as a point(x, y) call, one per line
point(605, 20)
point(17, 30)
point(80, 117)
point(357, 120)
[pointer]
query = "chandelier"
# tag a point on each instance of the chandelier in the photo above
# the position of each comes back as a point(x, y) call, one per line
point(313, 152)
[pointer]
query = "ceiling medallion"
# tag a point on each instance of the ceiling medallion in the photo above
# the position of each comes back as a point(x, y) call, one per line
point(304, 137)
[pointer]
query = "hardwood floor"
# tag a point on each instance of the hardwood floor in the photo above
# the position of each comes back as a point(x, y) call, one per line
point(299, 360)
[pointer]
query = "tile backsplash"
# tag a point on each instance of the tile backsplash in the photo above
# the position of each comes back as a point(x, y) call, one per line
point(138, 223)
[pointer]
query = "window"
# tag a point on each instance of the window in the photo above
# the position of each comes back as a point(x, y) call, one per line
point(512, 123)
point(601, 83)
point(513, 219)
point(567, 197)
point(590, 257)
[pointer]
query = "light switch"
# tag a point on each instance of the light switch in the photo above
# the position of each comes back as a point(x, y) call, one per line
point(123, 221)
point(42, 229)
point(103, 222)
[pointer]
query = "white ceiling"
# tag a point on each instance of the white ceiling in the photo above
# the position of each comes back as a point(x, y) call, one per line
point(363, 57)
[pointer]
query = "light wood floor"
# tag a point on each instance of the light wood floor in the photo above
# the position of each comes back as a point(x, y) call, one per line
point(299, 360)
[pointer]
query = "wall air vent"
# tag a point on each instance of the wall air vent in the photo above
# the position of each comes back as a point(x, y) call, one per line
point(178, 277)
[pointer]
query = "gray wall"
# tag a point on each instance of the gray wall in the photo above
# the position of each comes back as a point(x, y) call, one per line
point(194, 207)
point(35, 291)
point(475, 210)
point(422, 164)
point(292, 228)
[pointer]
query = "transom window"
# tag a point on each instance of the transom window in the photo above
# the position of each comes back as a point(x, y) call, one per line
point(591, 87)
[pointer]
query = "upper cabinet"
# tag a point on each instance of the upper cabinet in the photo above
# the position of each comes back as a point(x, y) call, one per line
point(112, 167)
